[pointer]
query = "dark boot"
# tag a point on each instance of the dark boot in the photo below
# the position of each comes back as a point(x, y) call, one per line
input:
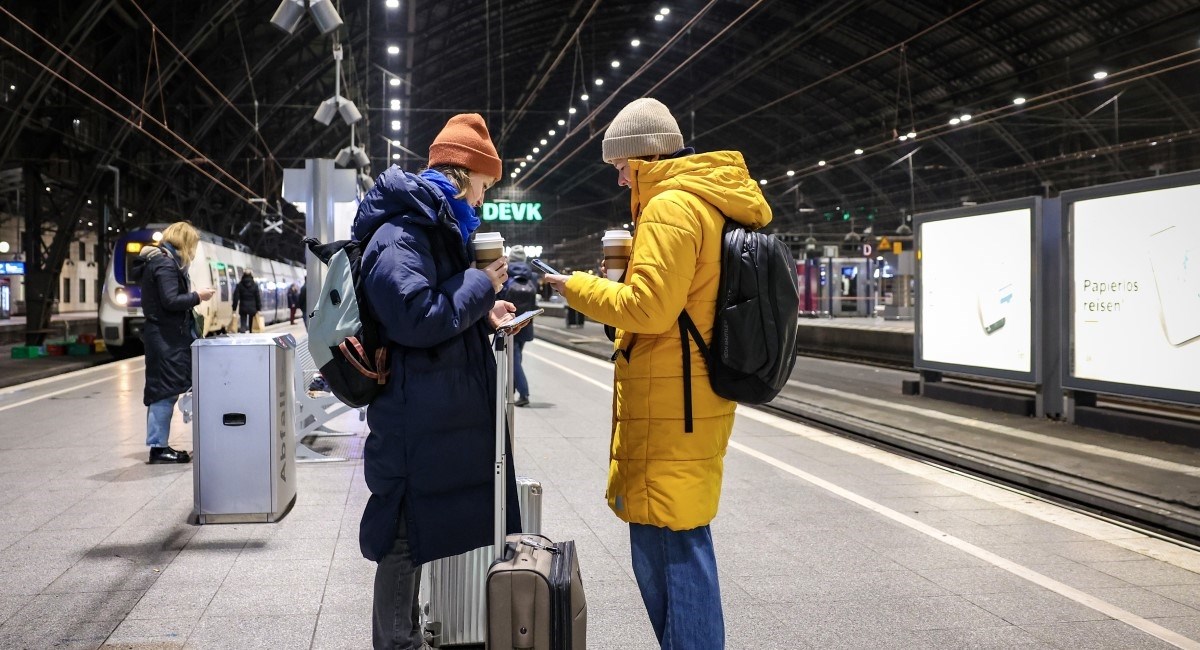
point(159, 455)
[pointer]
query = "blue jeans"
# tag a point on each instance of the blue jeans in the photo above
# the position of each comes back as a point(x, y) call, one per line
point(518, 371)
point(158, 421)
point(676, 572)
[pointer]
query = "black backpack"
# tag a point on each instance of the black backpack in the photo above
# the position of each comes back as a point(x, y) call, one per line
point(753, 346)
point(343, 335)
point(522, 292)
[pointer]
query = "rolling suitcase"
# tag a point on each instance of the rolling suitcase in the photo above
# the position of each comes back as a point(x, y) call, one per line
point(535, 596)
point(453, 589)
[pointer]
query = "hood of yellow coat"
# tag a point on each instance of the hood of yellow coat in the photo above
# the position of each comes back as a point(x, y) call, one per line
point(718, 177)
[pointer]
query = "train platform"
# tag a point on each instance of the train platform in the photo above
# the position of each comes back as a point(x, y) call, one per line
point(822, 541)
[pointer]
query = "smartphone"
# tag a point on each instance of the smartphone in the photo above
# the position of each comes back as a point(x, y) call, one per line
point(994, 307)
point(516, 322)
point(544, 267)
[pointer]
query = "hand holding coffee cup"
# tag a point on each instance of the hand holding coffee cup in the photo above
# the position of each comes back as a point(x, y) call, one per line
point(497, 272)
point(618, 244)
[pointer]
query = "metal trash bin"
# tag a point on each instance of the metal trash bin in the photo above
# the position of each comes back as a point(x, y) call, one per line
point(243, 404)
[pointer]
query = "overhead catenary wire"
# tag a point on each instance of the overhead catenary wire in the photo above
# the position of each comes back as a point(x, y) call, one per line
point(139, 128)
point(591, 116)
point(1051, 98)
point(103, 104)
point(510, 123)
point(183, 57)
point(846, 69)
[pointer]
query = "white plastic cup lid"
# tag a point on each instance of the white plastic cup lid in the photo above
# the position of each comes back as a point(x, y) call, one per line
point(489, 238)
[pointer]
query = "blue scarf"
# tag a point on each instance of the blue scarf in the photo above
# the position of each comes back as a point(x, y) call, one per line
point(464, 214)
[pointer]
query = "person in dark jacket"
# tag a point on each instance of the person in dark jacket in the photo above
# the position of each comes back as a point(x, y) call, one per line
point(293, 302)
point(521, 290)
point(428, 460)
point(247, 301)
point(167, 302)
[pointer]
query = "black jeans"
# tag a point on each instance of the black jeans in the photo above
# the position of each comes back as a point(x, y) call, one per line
point(396, 611)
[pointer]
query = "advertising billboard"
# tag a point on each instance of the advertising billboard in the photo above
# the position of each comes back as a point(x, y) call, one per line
point(976, 292)
point(1133, 296)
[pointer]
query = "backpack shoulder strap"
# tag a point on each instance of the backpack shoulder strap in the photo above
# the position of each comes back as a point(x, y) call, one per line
point(688, 330)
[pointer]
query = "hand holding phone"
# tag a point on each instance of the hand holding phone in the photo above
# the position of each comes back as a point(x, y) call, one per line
point(520, 321)
point(543, 267)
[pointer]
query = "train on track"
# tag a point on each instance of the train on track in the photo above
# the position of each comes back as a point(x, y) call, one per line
point(218, 264)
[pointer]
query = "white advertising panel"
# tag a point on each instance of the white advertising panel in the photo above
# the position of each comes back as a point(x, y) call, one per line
point(976, 291)
point(1135, 289)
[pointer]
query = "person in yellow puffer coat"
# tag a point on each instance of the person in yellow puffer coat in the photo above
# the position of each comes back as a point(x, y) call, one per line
point(664, 480)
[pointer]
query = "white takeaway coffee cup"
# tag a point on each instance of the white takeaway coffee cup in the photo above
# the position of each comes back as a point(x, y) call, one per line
point(617, 246)
point(489, 246)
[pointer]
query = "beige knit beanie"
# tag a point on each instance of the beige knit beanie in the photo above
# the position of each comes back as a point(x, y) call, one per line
point(645, 127)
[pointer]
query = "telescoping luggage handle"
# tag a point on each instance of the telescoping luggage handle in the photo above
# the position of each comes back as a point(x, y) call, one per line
point(504, 419)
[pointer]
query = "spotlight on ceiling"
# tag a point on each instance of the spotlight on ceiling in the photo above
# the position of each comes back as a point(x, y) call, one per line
point(326, 111)
point(287, 16)
point(337, 104)
point(325, 15)
point(352, 154)
point(350, 113)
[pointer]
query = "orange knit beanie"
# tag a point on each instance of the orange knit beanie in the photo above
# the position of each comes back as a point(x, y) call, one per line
point(465, 142)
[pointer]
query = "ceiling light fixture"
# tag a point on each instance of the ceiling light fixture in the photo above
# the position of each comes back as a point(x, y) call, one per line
point(394, 81)
point(615, 64)
point(562, 122)
point(537, 150)
point(552, 131)
point(912, 135)
point(791, 172)
point(664, 11)
point(571, 110)
point(858, 152)
point(658, 17)
point(965, 117)
point(395, 125)
point(1018, 100)
point(599, 81)
point(528, 157)
point(352, 154)
point(820, 163)
point(395, 104)
point(393, 49)
point(583, 97)
point(287, 16)
point(1099, 74)
point(634, 43)
point(337, 104)
point(542, 141)
point(392, 4)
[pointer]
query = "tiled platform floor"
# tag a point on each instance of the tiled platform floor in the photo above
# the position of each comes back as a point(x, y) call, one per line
point(822, 542)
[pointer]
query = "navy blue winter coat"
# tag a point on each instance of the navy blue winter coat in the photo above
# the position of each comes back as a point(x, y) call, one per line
point(431, 451)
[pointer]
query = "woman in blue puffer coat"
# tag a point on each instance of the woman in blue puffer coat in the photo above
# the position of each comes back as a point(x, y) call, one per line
point(429, 457)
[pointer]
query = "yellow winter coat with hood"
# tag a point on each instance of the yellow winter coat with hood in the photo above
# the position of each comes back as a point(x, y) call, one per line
point(658, 474)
